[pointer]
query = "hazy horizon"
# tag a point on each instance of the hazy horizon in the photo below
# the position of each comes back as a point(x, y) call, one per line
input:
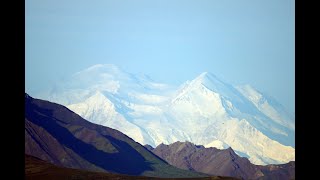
point(247, 42)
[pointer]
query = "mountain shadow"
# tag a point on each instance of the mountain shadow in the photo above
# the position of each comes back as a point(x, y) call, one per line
point(36, 168)
point(57, 135)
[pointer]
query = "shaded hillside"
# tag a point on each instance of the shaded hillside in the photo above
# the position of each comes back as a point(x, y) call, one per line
point(279, 172)
point(57, 135)
point(36, 168)
point(186, 155)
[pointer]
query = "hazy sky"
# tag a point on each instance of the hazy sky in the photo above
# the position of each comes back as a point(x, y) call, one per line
point(241, 41)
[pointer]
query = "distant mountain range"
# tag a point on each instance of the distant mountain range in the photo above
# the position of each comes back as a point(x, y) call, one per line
point(59, 136)
point(186, 155)
point(206, 111)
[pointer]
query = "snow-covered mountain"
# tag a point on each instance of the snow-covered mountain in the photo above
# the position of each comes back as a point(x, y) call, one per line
point(204, 111)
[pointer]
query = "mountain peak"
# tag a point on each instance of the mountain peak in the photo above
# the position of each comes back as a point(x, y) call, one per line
point(206, 75)
point(98, 66)
point(210, 81)
point(98, 98)
point(207, 78)
point(26, 96)
point(203, 74)
point(201, 110)
point(97, 94)
point(185, 143)
point(229, 149)
point(102, 68)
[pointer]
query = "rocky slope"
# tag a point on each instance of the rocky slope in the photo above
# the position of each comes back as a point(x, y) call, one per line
point(55, 134)
point(186, 155)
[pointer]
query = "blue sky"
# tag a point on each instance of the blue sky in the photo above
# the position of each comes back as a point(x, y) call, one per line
point(242, 42)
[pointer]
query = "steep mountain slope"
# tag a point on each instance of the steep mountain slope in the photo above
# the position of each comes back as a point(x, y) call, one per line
point(102, 111)
point(57, 135)
point(189, 156)
point(215, 114)
point(268, 106)
point(204, 111)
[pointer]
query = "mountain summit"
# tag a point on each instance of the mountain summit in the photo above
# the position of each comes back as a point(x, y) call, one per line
point(205, 110)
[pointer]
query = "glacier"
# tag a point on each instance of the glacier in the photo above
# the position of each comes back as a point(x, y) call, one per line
point(205, 110)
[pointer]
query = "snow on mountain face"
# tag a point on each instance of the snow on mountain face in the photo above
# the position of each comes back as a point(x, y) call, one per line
point(268, 106)
point(100, 110)
point(106, 78)
point(204, 111)
point(201, 112)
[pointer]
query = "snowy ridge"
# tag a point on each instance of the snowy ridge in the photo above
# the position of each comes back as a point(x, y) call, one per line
point(275, 111)
point(204, 111)
point(99, 110)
